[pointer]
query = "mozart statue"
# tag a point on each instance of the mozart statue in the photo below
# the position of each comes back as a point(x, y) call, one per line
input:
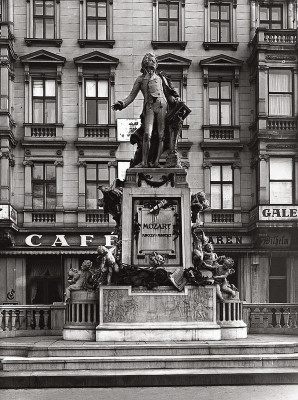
point(160, 99)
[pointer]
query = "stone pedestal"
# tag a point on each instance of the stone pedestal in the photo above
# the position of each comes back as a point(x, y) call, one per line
point(230, 318)
point(156, 217)
point(162, 314)
point(82, 316)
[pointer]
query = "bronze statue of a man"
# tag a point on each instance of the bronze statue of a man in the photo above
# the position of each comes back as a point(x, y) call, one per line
point(158, 94)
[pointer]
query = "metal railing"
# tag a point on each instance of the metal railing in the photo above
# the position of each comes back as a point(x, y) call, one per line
point(276, 318)
point(31, 320)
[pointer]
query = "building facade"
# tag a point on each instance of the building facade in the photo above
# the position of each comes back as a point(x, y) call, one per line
point(63, 63)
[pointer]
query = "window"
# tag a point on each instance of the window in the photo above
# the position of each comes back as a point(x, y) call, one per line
point(168, 21)
point(96, 174)
point(220, 103)
point(221, 187)
point(96, 22)
point(281, 180)
point(271, 17)
point(220, 17)
point(97, 101)
point(44, 19)
point(280, 92)
point(169, 24)
point(278, 280)
point(44, 101)
point(44, 186)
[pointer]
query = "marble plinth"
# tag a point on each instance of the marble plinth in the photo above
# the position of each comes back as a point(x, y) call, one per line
point(158, 315)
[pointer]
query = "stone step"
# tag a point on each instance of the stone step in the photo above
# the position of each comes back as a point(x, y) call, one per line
point(148, 378)
point(73, 349)
point(150, 362)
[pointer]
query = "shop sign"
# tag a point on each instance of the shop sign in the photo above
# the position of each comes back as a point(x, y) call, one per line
point(275, 240)
point(278, 213)
point(126, 127)
point(36, 240)
point(225, 239)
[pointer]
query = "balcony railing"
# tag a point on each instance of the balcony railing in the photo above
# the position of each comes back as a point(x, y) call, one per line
point(275, 318)
point(219, 217)
point(289, 125)
point(96, 131)
point(41, 131)
point(31, 320)
point(284, 37)
point(97, 217)
point(43, 217)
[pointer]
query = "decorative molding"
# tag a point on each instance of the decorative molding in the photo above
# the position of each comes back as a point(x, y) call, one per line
point(277, 57)
point(81, 153)
point(263, 157)
point(81, 164)
point(27, 152)
point(59, 163)
point(237, 165)
point(59, 152)
point(207, 164)
point(28, 163)
point(112, 78)
point(112, 164)
point(281, 146)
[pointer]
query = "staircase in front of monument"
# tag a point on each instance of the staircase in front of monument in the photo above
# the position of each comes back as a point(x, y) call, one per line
point(244, 361)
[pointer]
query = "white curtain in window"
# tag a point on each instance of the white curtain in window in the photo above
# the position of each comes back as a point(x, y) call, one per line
point(280, 92)
point(280, 104)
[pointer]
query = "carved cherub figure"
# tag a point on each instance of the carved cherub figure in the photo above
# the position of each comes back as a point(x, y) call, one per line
point(107, 264)
point(156, 260)
point(220, 279)
point(198, 203)
point(79, 280)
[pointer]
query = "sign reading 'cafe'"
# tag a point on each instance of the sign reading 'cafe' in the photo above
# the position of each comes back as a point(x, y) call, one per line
point(37, 240)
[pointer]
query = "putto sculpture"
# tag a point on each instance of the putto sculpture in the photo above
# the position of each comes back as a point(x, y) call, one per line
point(81, 279)
point(161, 118)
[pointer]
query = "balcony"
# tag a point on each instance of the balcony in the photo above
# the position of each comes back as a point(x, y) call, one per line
point(279, 39)
point(274, 128)
point(219, 218)
point(221, 133)
point(97, 132)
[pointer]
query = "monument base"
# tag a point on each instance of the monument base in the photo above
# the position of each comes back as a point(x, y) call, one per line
point(157, 315)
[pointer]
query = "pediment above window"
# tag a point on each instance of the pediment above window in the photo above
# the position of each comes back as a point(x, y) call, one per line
point(173, 60)
point(221, 61)
point(42, 57)
point(96, 57)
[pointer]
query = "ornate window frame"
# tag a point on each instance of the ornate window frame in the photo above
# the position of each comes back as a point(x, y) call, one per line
point(30, 40)
point(42, 63)
point(96, 65)
point(83, 41)
point(221, 68)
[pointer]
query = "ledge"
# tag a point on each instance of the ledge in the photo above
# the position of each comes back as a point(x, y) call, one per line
point(220, 45)
point(44, 42)
point(158, 44)
point(96, 43)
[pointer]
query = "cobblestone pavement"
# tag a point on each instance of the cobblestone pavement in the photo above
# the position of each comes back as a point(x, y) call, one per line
point(278, 392)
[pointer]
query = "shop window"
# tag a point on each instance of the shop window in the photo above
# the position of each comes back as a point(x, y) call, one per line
point(43, 23)
point(278, 280)
point(270, 16)
point(280, 92)
point(44, 101)
point(221, 186)
point(220, 103)
point(96, 174)
point(122, 167)
point(281, 180)
point(220, 22)
point(43, 186)
point(44, 280)
point(97, 101)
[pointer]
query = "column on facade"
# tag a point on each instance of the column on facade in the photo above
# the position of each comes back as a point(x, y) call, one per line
point(237, 185)
point(82, 186)
point(28, 187)
point(59, 184)
point(252, 19)
point(290, 14)
point(296, 180)
point(59, 94)
point(292, 280)
point(112, 170)
point(4, 177)
point(264, 179)
point(263, 91)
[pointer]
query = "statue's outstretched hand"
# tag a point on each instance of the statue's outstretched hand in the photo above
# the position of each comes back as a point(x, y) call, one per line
point(118, 106)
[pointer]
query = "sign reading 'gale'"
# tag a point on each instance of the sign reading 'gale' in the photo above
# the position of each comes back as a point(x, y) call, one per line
point(278, 213)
